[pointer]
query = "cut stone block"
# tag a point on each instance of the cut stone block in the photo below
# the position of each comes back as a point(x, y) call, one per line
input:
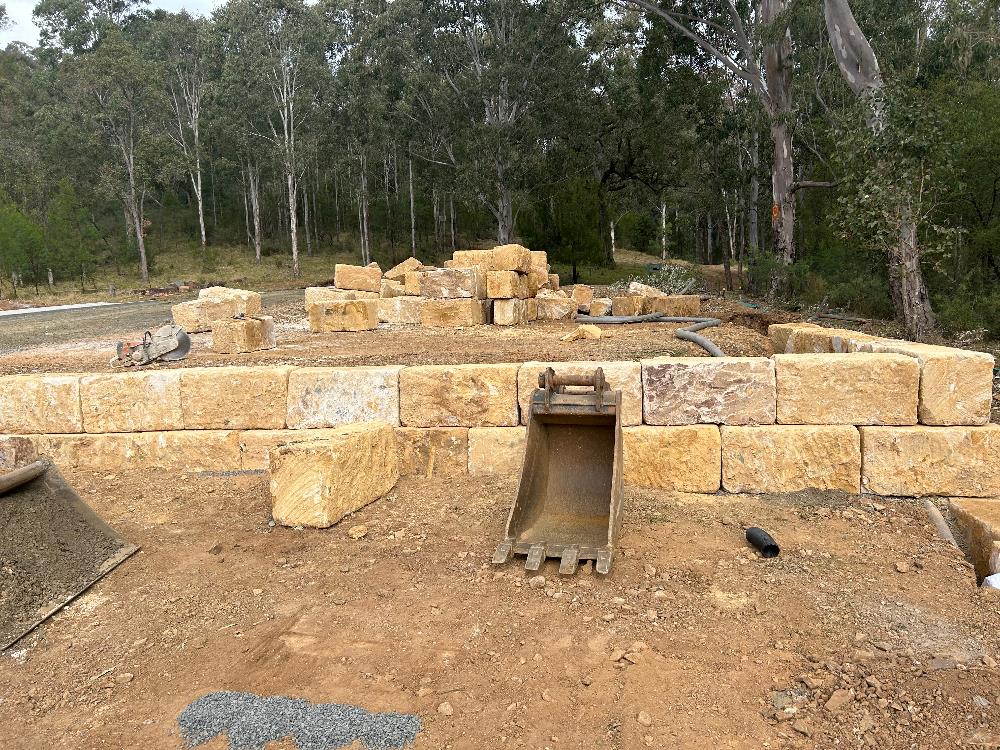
point(344, 315)
point(584, 332)
point(459, 396)
point(600, 306)
point(450, 283)
point(979, 522)
point(779, 334)
point(720, 390)
point(583, 295)
point(510, 312)
point(248, 303)
point(501, 258)
point(401, 311)
point(40, 403)
point(555, 309)
point(620, 376)
point(818, 340)
point(683, 459)
point(433, 451)
point(536, 280)
point(539, 261)
point(531, 304)
point(627, 305)
point(860, 389)
point(411, 283)
point(256, 445)
point(919, 461)
point(675, 305)
point(334, 396)
point(554, 282)
point(451, 313)
point(227, 398)
point(506, 285)
point(242, 335)
point(392, 289)
point(132, 401)
point(497, 450)
point(363, 278)
point(317, 483)
point(181, 451)
point(317, 294)
point(790, 458)
point(398, 271)
point(177, 451)
point(16, 451)
point(956, 385)
point(215, 303)
point(639, 289)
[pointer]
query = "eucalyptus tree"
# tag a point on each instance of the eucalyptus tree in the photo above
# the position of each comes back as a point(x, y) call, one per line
point(75, 26)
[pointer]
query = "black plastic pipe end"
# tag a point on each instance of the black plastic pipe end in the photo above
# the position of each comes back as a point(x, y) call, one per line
point(763, 542)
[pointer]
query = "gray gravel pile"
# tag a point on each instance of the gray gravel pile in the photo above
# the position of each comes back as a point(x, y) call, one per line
point(251, 721)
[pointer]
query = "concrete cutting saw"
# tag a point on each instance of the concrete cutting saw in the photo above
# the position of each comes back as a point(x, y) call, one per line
point(168, 343)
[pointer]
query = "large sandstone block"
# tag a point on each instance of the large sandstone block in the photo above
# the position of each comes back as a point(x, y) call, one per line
point(600, 306)
point(497, 450)
point(779, 334)
point(344, 315)
point(451, 313)
point(392, 289)
point(859, 389)
point(242, 335)
point(621, 376)
point(182, 451)
point(506, 285)
point(215, 303)
point(176, 451)
point(510, 312)
point(398, 271)
point(979, 522)
point(16, 451)
point(40, 403)
point(818, 340)
point(362, 278)
point(256, 445)
point(531, 305)
point(334, 396)
point(720, 390)
point(956, 385)
point(248, 303)
point(536, 280)
point(411, 283)
point(789, 458)
point(583, 295)
point(501, 258)
point(627, 305)
point(554, 282)
point(433, 451)
point(132, 401)
point(234, 398)
point(401, 311)
point(562, 308)
point(539, 261)
point(639, 289)
point(918, 461)
point(315, 295)
point(674, 305)
point(450, 283)
point(317, 483)
point(683, 459)
point(459, 396)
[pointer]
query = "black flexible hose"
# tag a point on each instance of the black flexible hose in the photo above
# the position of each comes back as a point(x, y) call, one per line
point(763, 542)
point(686, 333)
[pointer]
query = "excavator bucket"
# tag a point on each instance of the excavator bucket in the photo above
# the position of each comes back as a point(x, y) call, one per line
point(569, 499)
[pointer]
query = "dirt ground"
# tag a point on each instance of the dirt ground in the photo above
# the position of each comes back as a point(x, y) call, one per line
point(693, 641)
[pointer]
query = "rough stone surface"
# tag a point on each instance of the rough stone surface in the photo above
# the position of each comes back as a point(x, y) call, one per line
point(510, 312)
point(450, 283)
point(181, 451)
point(411, 282)
point(859, 389)
point(459, 396)
point(401, 311)
point(817, 340)
point(539, 261)
point(956, 385)
point(779, 334)
point(16, 451)
point(242, 335)
point(639, 289)
point(583, 332)
point(555, 309)
point(316, 483)
point(197, 315)
point(40, 403)
point(629, 305)
point(317, 294)
point(600, 307)
point(398, 271)
point(621, 376)
point(334, 396)
point(227, 398)
point(247, 302)
point(451, 313)
point(789, 458)
point(501, 258)
point(536, 279)
point(255, 445)
point(392, 288)
point(497, 450)
point(918, 461)
point(979, 523)
point(583, 295)
point(684, 459)
point(531, 304)
point(720, 390)
point(675, 305)
point(506, 285)
point(433, 451)
point(344, 315)
point(177, 451)
point(363, 278)
point(554, 282)
point(132, 401)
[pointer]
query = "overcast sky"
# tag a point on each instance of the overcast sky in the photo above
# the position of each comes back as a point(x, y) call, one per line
point(23, 30)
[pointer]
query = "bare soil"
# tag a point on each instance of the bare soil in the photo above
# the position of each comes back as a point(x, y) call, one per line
point(693, 641)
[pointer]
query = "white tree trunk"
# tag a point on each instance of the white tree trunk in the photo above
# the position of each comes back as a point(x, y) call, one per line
point(663, 230)
point(413, 217)
point(253, 174)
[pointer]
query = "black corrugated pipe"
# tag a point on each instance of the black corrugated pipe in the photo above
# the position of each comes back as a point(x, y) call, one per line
point(687, 333)
point(762, 542)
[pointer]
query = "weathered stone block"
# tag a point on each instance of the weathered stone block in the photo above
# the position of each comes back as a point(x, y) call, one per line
point(630, 305)
point(247, 302)
point(16, 451)
point(510, 312)
point(256, 445)
point(554, 282)
point(227, 398)
point(536, 280)
point(317, 294)
point(451, 313)
point(198, 314)
point(401, 311)
point(859, 389)
point(539, 261)
point(501, 258)
point(721, 390)
point(319, 482)
point(450, 283)
point(956, 385)
point(398, 271)
point(683, 459)
point(40, 403)
point(531, 304)
point(497, 450)
point(779, 334)
point(620, 376)
point(334, 396)
point(506, 285)
point(344, 315)
point(392, 289)
point(638, 289)
point(979, 523)
point(433, 451)
point(132, 401)
point(181, 451)
point(818, 340)
point(583, 295)
point(242, 335)
point(176, 451)
point(459, 396)
point(363, 278)
point(555, 308)
point(600, 306)
point(411, 283)
point(918, 461)
point(674, 305)
point(789, 458)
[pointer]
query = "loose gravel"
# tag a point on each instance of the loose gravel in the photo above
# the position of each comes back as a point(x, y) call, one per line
point(251, 721)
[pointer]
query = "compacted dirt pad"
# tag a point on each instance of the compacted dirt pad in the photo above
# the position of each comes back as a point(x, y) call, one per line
point(868, 631)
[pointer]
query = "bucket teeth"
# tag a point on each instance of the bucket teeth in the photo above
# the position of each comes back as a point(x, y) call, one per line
point(536, 555)
point(503, 553)
point(603, 561)
point(568, 563)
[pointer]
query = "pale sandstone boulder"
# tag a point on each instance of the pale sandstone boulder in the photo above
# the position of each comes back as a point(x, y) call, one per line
point(344, 315)
point(956, 385)
point(583, 295)
point(452, 313)
point(510, 312)
point(40, 403)
point(506, 285)
point(979, 522)
point(459, 396)
point(531, 305)
point(449, 283)
point(552, 294)
point(629, 305)
point(818, 340)
point(318, 294)
point(638, 289)
point(334, 396)
point(401, 311)
point(132, 401)
point(363, 278)
point(183, 451)
point(240, 398)
point(554, 282)
point(555, 308)
point(16, 451)
point(584, 332)
point(918, 461)
point(501, 258)
point(433, 451)
point(536, 280)
point(683, 459)
point(247, 302)
point(720, 390)
point(242, 335)
point(256, 445)
point(600, 307)
point(412, 283)
point(539, 261)
point(317, 483)
point(197, 315)
point(790, 458)
point(392, 289)
point(779, 334)
point(620, 376)
point(673, 305)
point(497, 450)
point(176, 451)
point(398, 271)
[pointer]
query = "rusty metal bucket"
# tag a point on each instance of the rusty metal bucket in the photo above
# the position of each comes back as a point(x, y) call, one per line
point(569, 499)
